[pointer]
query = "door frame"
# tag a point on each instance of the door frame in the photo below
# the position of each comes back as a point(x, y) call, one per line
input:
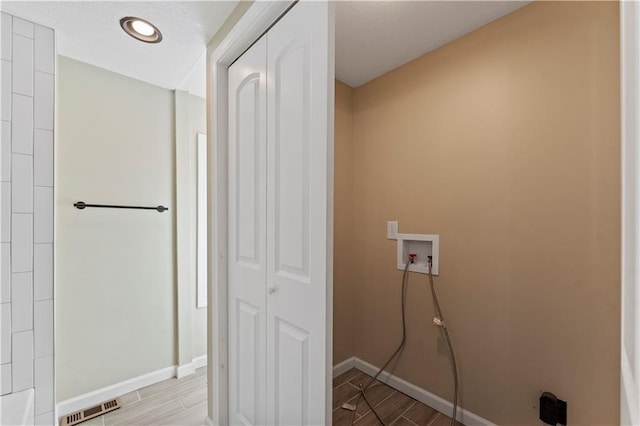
point(253, 24)
point(630, 209)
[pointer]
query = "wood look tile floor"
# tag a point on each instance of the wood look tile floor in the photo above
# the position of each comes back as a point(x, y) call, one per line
point(183, 402)
point(173, 402)
point(395, 408)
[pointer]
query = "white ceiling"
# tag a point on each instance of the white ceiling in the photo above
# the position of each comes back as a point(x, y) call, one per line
point(196, 82)
point(373, 38)
point(89, 31)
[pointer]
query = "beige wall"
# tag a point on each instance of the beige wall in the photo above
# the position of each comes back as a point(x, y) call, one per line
point(506, 143)
point(115, 294)
point(343, 265)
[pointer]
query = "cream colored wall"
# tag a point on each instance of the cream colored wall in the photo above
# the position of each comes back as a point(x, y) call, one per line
point(115, 295)
point(184, 235)
point(197, 124)
point(191, 321)
point(343, 267)
point(506, 143)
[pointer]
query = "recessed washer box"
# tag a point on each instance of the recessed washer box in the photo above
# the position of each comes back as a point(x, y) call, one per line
point(422, 245)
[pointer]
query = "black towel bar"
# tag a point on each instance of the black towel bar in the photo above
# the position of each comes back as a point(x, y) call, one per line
point(82, 205)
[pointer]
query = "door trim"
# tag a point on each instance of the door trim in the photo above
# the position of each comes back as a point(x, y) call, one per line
point(258, 18)
point(630, 177)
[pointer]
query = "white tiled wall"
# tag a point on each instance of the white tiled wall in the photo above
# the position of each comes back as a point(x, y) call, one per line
point(22, 360)
point(27, 56)
point(43, 272)
point(21, 124)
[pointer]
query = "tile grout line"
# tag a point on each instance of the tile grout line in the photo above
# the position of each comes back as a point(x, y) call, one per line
point(346, 383)
point(433, 420)
point(33, 203)
point(407, 409)
point(356, 396)
point(389, 396)
point(377, 405)
point(357, 415)
point(409, 420)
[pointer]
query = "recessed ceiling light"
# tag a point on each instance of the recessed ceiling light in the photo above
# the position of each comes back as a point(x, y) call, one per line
point(143, 28)
point(140, 29)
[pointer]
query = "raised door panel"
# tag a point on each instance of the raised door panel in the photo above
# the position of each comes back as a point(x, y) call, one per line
point(247, 237)
point(292, 137)
point(247, 390)
point(291, 374)
point(247, 171)
point(299, 216)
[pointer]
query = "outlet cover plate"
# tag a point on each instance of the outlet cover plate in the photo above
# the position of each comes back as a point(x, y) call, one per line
point(422, 245)
point(392, 230)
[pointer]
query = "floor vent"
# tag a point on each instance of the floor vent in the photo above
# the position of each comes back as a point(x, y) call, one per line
point(89, 413)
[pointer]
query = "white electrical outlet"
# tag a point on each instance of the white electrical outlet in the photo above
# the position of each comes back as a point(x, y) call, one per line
point(392, 230)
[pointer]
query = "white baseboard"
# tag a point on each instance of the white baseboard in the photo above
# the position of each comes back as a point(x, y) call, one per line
point(434, 401)
point(95, 397)
point(190, 368)
point(200, 361)
point(344, 366)
point(185, 370)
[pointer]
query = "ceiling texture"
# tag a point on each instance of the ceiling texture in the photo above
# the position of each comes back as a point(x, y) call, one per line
point(89, 31)
point(372, 37)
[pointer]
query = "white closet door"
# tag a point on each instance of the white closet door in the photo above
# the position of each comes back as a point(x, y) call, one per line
point(247, 237)
point(299, 216)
